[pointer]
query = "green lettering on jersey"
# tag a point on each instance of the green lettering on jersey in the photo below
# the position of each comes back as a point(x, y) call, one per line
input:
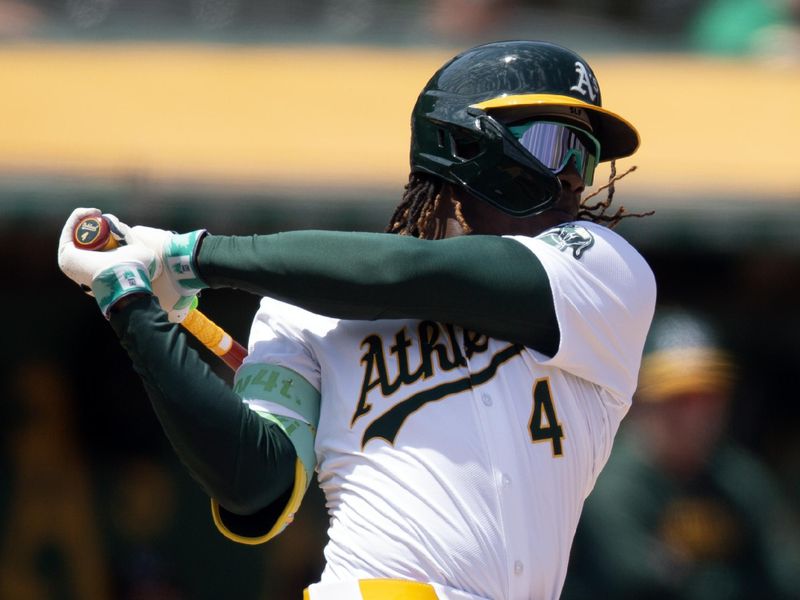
point(435, 351)
point(374, 374)
point(389, 423)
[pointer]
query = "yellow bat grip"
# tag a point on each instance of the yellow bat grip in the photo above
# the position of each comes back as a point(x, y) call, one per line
point(211, 335)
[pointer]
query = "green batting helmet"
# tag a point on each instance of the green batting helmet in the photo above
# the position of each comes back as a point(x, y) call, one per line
point(458, 127)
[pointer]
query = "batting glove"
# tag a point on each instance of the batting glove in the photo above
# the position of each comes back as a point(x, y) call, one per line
point(108, 276)
point(177, 283)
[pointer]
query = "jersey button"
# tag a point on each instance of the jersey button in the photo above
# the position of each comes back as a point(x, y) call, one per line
point(506, 480)
point(518, 567)
point(486, 399)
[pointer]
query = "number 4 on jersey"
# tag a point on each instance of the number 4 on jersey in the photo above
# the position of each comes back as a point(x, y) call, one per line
point(544, 423)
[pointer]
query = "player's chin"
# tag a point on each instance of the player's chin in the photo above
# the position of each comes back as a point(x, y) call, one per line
point(568, 202)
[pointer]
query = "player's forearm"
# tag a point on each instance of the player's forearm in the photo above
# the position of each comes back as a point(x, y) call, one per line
point(239, 458)
point(486, 283)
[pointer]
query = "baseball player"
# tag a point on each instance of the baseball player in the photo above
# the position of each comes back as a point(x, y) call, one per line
point(455, 382)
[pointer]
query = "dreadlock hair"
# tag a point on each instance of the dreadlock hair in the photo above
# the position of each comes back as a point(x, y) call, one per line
point(597, 212)
point(414, 215)
point(422, 198)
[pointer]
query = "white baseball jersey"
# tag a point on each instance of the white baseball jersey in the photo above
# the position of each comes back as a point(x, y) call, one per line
point(452, 458)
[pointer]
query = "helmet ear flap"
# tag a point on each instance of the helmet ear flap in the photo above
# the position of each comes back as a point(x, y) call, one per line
point(506, 175)
point(460, 143)
point(469, 148)
point(465, 146)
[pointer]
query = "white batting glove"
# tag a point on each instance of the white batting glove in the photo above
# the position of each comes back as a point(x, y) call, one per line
point(177, 282)
point(108, 276)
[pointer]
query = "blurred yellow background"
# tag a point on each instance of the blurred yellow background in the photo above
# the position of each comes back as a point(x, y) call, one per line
point(338, 116)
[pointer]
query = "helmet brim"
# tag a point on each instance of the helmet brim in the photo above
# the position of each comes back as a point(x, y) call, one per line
point(618, 138)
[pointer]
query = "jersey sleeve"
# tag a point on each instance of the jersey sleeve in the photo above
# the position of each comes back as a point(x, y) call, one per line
point(604, 296)
point(278, 336)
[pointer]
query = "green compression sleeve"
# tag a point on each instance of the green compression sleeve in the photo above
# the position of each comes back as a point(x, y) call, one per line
point(243, 461)
point(490, 284)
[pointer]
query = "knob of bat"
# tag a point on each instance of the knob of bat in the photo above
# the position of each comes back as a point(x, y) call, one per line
point(94, 233)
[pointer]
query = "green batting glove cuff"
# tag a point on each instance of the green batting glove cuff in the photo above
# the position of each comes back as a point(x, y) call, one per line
point(110, 285)
point(180, 260)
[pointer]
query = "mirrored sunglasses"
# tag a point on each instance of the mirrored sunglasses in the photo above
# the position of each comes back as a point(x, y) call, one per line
point(555, 144)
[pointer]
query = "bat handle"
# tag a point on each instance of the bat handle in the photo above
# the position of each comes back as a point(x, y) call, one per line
point(94, 233)
point(213, 337)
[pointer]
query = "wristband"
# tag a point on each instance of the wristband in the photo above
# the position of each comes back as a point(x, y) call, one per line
point(180, 255)
point(114, 283)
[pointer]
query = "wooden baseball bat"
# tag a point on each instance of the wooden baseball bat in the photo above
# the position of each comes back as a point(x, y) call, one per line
point(94, 233)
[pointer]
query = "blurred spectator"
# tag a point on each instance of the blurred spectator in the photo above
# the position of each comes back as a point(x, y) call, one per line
point(19, 19)
point(767, 28)
point(656, 17)
point(143, 505)
point(52, 546)
point(457, 20)
point(682, 512)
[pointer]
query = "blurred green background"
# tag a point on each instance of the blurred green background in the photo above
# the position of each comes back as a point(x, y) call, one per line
point(247, 116)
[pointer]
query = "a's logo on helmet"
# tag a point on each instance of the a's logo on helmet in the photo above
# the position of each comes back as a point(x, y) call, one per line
point(587, 84)
point(573, 237)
